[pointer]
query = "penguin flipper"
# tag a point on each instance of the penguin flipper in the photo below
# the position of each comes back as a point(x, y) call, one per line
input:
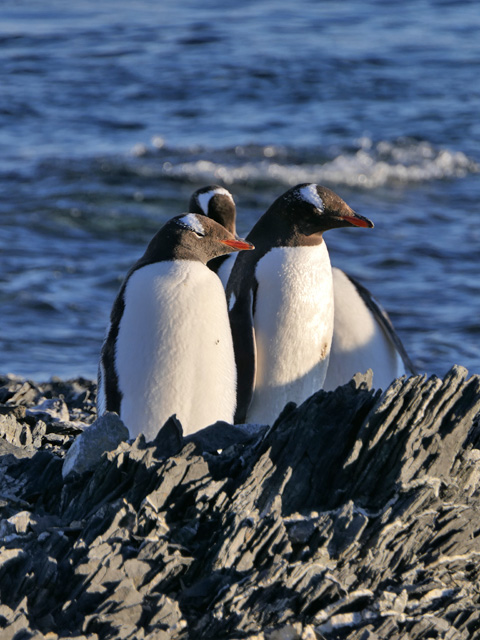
point(243, 334)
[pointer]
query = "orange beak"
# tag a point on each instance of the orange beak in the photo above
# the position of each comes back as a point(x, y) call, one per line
point(239, 245)
point(358, 221)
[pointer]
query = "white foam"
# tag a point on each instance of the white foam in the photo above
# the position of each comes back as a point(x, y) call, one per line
point(204, 198)
point(369, 167)
point(192, 221)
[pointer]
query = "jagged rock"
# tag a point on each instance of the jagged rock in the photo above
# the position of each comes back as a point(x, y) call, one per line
point(46, 416)
point(7, 448)
point(169, 439)
point(53, 409)
point(105, 434)
point(14, 432)
point(222, 435)
point(354, 516)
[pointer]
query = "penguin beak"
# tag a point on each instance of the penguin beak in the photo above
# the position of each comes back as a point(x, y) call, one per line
point(357, 220)
point(238, 245)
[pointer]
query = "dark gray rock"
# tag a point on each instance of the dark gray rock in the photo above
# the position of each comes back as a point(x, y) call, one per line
point(47, 416)
point(354, 516)
point(169, 439)
point(7, 448)
point(222, 435)
point(50, 409)
point(105, 434)
point(15, 432)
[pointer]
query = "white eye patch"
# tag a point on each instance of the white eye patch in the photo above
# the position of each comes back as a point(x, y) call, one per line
point(204, 198)
point(310, 194)
point(192, 222)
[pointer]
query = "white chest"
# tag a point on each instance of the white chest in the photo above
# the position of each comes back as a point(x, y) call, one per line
point(293, 324)
point(174, 349)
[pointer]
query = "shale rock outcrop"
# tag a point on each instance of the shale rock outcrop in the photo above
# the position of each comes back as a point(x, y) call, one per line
point(356, 515)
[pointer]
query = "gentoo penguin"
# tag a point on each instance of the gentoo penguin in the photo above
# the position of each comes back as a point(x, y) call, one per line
point(281, 302)
point(169, 346)
point(217, 203)
point(363, 334)
point(363, 337)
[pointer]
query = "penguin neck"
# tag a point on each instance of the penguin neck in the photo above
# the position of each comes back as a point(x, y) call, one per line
point(270, 232)
point(216, 263)
point(285, 233)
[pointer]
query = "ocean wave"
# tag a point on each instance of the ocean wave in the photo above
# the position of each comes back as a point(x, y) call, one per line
point(368, 165)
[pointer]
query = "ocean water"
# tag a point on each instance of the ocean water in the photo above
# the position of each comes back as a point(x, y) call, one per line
point(112, 113)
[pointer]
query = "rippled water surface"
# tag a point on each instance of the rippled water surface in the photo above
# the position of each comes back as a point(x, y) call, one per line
point(112, 113)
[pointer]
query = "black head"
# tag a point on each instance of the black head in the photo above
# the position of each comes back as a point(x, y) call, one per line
point(192, 237)
point(302, 214)
point(216, 203)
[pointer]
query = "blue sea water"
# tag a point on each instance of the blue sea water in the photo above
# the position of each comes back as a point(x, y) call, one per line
point(112, 113)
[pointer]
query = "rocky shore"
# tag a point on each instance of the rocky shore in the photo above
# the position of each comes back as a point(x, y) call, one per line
point(356, 515)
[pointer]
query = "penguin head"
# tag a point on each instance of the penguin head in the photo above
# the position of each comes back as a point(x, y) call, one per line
point(311, 209)
point(203, 237)
point(216, 203)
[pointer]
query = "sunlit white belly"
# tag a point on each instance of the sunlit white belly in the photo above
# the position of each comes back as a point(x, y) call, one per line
point(293, 324)
point(174, 351)
point(359, 342)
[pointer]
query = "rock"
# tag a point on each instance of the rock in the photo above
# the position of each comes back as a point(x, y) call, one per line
point(6, 448)
point(21, 521)
point(44, 416)
point(53, 409)
point(354, 516)
point(15, 432)
point(222, 435)
point(169, 440)
point(15, 411)
point(105, 434)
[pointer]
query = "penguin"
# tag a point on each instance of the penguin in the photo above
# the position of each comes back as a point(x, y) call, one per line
point(169, 347)
point(363, 337)
point(217, 203)
point(281, 301)
point(363, 334)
